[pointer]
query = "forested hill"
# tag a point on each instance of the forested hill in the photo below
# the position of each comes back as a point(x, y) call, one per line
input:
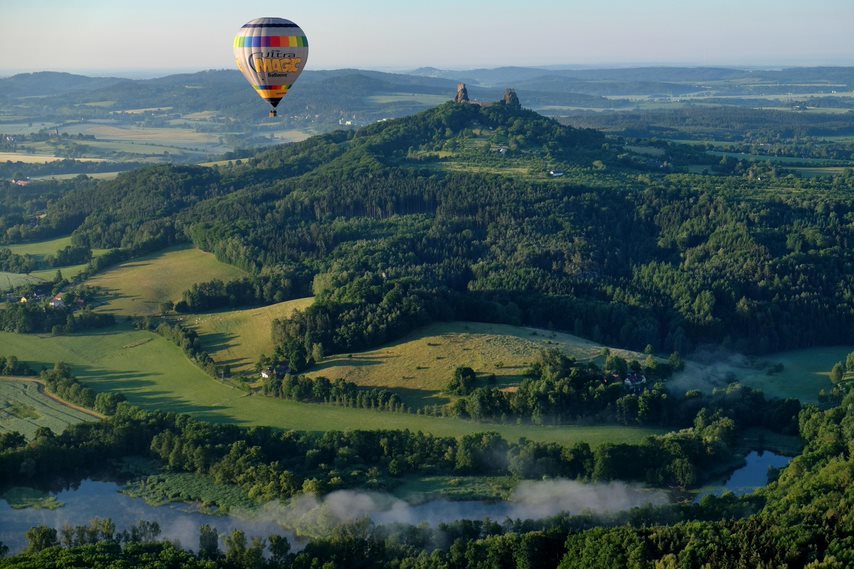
point(493, 213)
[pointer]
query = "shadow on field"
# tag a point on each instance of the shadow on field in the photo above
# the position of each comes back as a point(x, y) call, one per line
point(217, 341)
point(356, 360)
point(419, 398)
point(141, 391)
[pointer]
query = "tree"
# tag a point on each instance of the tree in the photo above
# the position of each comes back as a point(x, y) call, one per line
point(837, 372)
point(849, 362)
point(463, 381)
point(208, 542)
point(40, 538)
point(280, 549)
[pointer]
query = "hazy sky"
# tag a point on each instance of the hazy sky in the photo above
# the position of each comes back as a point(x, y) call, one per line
point(123, 35)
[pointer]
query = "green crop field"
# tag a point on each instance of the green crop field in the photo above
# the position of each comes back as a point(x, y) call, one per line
point(238, 337)
point(422, 363)
point(138, 287)
point(154, 374)
point(24, 409)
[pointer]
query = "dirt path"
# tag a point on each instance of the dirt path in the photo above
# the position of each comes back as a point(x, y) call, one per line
point(42, 388)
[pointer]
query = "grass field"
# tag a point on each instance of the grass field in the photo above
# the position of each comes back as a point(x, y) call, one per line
point(805, 372)
point(138, 287)
point(422, 363)
point(238, 338)
point(40, 248)
point(24, 409)
point(154, 374)
point(8, 281)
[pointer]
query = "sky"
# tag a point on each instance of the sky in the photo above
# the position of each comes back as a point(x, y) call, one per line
point(130, 38)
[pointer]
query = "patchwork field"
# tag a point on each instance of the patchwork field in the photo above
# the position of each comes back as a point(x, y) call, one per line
point(238, 338)
point(139, 287)
point(24, 408)
point(422, 363)
point(154, 374)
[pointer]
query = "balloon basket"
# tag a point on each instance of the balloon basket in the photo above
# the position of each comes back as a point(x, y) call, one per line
point(273, 114)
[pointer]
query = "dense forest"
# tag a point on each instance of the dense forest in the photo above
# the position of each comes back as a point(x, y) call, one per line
point(390, 237)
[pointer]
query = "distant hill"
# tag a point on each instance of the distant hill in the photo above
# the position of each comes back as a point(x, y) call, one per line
point(495, 213)
point(52, 83)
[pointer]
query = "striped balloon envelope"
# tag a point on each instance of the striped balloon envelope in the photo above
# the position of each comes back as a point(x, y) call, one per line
point(271, 53)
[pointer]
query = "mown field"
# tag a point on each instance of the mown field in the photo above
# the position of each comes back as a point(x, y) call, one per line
point(421, 364)
point(24, 409)
point(139, 287)
point(154, 374)
point(238, 337)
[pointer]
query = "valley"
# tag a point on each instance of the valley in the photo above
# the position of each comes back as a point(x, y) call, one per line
point(461, 304)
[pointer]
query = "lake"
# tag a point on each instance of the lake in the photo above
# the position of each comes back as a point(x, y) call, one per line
point(750, 477)
point(95, 499)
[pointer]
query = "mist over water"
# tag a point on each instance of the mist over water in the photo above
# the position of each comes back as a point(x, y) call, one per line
point(316, 515)
point(530, 500)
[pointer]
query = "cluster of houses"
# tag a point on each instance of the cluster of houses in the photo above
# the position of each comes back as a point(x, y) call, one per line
point(634, 381)
point(39, 294)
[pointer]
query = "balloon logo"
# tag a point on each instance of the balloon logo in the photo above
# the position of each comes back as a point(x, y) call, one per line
point(271, 53)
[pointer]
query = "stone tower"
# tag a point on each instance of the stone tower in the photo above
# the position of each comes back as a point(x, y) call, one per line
point(511, 99)
point(462, 94)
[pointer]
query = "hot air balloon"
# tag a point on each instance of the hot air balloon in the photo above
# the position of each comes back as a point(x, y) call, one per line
point(271, 53)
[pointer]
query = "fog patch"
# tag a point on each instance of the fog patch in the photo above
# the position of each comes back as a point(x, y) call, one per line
point(709, 369)
point(312, 515)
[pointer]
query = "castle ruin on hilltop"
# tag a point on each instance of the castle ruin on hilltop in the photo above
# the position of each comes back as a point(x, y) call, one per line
point(510, 99)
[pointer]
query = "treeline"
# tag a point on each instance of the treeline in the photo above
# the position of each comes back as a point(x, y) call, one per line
point(11, 365)
point(69, 255)
point(185, 338)
point(30, 317)
point(266, 288)
point(270, 464)
point(20, 170)
point(60, 380)
point(338, 392)
point(560, 390)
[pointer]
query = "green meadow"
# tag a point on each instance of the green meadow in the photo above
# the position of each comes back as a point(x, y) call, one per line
point(154, 374)
point(237, 338)
point(421, 364)
point(140, 286)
